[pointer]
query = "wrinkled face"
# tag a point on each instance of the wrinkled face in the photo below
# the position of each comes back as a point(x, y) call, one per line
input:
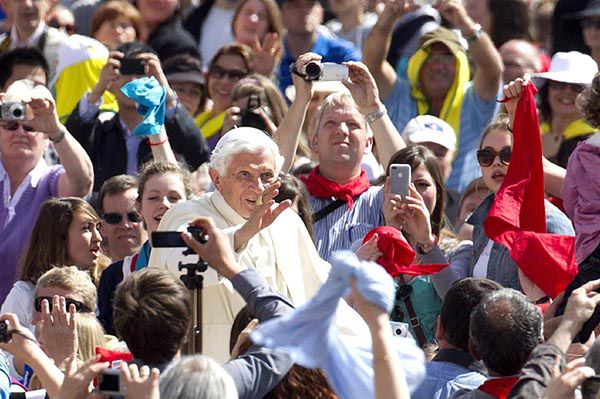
point(83, 241)
point(28, 14)
point(438, 71)
point(425, 185)
point(248, 175)
point(517, 62)
point(563, 98)
point(301, 16)
point(161, 192)
point(493, 175)
point(223, 75)
point(50, 292)
point(115, 32)
point(157, 11)
point(20, 145)
point(252, 22)
point(125, 237)
point(342, 136)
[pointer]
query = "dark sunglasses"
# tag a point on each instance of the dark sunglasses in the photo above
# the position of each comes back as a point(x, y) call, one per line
point(590, 23)
point(14, 126)
point(115, 218)
point(79, 306)
point(577, 88)
point(487, 156)
point(54, 23)
point(233, 74)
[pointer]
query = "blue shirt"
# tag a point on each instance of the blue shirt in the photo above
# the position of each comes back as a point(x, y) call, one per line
point(343, 226)
point(327, 45)
point(443, 379)
point(475, 115)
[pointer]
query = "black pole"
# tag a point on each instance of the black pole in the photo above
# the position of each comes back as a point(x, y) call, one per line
point(194, 281)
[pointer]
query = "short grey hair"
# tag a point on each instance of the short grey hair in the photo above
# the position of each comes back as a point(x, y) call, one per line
point(196, 377)
point(337, 98)
point(243, 139)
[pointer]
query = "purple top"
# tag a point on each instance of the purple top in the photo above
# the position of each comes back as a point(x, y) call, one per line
point(581, 196)
point(14, 236)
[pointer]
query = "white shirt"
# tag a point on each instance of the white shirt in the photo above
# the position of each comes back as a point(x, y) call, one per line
point(481, 267)
point(216, 33)
point(31, 42)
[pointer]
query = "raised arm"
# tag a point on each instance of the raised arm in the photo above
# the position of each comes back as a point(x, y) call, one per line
point(377, 45)
point(288, 132)
point(489, 67)
point(78, 178)
point(365, 92)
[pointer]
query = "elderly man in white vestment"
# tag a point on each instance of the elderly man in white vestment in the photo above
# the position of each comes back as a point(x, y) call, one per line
point(266, 236)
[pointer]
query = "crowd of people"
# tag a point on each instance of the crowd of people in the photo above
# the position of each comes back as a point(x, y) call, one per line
point(189, 211)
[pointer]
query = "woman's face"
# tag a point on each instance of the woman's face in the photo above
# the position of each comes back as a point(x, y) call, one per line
point(161, 192)
point(190, 94)
point(154, 12)
point(83, 241)
point(591, 32)
point(425, 185)
point(493, 175)
point(223, 75)
point(115, 32)
point(563, 97)
point(252, 22)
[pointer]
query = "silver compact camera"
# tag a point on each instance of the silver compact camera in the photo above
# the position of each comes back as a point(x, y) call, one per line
point(315, 70)
point(13, 111)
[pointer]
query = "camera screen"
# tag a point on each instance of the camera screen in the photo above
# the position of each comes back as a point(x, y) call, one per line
point(109, 383)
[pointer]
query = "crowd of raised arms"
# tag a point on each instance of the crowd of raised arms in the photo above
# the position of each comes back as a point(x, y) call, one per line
point(374, 199)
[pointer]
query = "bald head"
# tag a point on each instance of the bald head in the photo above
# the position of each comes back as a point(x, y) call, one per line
point(519, 57)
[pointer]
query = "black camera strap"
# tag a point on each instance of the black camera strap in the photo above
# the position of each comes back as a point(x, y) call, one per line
point(327, 209)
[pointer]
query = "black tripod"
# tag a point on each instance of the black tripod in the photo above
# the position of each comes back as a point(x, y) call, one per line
point(194, 281)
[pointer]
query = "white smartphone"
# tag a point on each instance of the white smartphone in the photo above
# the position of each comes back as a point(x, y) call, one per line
point(399, 178)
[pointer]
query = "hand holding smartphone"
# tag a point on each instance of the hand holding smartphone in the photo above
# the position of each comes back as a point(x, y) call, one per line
point(400, 177)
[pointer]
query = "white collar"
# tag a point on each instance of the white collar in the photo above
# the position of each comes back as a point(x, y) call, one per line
point(31, 42)
point(34, 174)
point(226, 211)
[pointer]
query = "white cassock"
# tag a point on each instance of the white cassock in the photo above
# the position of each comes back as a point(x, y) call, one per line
point(282, 253)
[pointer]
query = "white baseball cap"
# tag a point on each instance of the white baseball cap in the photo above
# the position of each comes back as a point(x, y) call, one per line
point(572, 67)
point(429, 129)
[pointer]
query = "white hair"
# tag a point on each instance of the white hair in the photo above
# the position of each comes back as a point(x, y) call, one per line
point(243, 139)
point(196, 377)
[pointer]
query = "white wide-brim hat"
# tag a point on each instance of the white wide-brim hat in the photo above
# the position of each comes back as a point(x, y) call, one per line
point(572, 67)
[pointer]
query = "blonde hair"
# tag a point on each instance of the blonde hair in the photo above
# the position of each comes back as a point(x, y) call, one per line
point(90, 335)
point(70, 278)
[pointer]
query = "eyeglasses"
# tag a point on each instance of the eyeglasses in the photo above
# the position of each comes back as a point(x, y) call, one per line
point(183, 90)
point(590, 23)
point(14, 126)
point(577, 88)
point(233, 74)
point(115, 217)
point(79, 306)
point(487, 156)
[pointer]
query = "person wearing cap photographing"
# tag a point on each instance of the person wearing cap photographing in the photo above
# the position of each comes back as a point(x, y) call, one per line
point(562, 126)
point(439, 79)
point(26, 179)
point(272, 239)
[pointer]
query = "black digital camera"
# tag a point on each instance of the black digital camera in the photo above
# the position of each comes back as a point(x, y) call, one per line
point(4, 334)
point(249, 118)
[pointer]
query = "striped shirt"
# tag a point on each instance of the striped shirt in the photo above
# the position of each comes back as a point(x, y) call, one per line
point(343, 226)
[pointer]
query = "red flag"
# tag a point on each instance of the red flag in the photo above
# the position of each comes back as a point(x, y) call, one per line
point(517, 218)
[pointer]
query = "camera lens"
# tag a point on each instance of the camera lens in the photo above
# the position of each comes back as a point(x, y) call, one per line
point(17, 113)
point(313, 70)
point(398, 331)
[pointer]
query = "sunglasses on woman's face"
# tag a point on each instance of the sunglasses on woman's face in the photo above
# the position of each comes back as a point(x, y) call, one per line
point(486, 156)
point(115, 217)
point(79, 306)
point(14, 126)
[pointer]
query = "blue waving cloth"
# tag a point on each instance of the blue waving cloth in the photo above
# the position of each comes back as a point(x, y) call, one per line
point(311, 337)
point(151, 99)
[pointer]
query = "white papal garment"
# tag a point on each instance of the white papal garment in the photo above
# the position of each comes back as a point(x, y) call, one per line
point(282, 253)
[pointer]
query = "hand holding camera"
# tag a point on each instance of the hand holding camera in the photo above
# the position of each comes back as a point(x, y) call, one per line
point(363, 88)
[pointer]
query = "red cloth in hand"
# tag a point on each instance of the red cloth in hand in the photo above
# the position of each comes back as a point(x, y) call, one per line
point(320, 187)
point(398, 256)
point(517, 218)
point(112, 357)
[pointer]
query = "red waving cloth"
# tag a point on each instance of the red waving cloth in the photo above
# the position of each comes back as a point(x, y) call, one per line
point(398, 256)
point(499, 388)
point(517, 218)
point(320, 187)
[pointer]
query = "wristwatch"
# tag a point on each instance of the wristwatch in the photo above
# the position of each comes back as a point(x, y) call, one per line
point(372, 117)
point(477, 31)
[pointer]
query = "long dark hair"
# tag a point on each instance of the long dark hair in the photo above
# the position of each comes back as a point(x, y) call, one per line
point(415, 156)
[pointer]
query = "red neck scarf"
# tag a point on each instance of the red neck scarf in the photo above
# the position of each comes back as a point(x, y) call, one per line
point(517, 218)
point(499, 388)
point(398, 256)
point(320, 187)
